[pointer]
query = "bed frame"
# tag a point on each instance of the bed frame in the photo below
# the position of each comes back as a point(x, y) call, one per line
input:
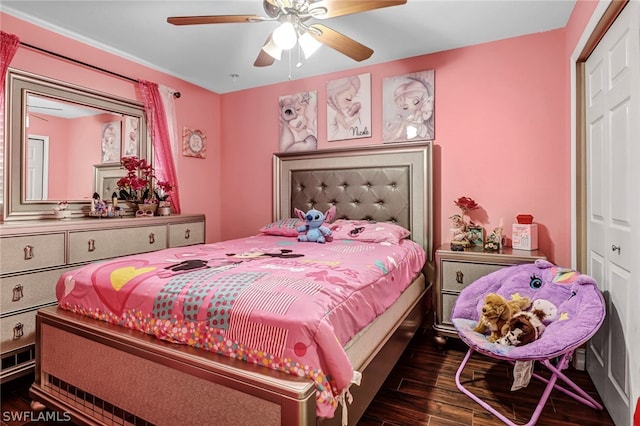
point(104, 374)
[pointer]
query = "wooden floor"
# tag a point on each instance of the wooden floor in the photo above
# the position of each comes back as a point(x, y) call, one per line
point(421, 390)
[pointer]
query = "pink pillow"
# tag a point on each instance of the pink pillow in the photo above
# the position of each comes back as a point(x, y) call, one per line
point(283, 227)
point(373, 232)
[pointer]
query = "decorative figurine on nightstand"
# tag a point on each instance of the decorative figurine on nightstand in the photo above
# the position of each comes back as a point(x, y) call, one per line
point(461, 236)
point(493, 240)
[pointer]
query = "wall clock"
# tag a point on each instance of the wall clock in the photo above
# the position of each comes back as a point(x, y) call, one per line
point(194, 143)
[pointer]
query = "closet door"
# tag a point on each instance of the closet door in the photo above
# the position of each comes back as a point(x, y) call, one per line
point(613, 210)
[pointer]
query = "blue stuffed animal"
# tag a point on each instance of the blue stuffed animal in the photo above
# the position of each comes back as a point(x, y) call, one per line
point(314, 230)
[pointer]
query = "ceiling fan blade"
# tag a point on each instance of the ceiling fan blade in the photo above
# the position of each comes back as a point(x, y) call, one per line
point(213, 19)
point(348, 7)
point(264, 59)
point(340, 42)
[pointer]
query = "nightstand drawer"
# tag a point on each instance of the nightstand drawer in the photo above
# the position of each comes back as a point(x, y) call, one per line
point(27, 290)
point(86, 246)
point(458, 275)
point(31, 252)
point(186, 234)
point(448, 301)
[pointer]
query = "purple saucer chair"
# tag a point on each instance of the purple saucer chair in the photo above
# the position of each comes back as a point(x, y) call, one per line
point(575, 311)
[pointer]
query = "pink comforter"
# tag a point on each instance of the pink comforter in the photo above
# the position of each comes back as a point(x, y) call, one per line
point(273, 301)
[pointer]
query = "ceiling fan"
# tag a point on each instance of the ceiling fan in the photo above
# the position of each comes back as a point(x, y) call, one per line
point(294, 28)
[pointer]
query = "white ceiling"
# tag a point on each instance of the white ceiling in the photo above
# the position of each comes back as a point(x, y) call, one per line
point(208, 55)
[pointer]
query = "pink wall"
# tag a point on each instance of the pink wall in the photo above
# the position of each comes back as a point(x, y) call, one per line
point(500, 137)
point(198, 108)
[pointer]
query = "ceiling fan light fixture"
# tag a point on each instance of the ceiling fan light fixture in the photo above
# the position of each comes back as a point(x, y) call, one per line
point(285, 36)
point(308, 44)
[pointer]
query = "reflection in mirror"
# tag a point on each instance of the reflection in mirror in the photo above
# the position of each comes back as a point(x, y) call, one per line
point(61, 134)
point(59, 137)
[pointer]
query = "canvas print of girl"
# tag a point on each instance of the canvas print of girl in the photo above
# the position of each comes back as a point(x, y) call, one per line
point(349, 107)
point(408, 107)
point(298, 122)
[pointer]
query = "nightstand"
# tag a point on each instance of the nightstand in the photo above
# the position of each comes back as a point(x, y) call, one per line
point(457, 269)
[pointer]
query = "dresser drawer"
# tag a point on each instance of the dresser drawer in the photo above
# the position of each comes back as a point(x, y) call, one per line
point(31, 252)
point(17, 331)
point(458, 275)
point(86, 246)
point(185, 234)
point(27, 290)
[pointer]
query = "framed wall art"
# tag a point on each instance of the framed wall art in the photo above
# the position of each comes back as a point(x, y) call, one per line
point(298, 122)
point(349, 107)
point(408, 103)
point(131, 136)
point(111, 141)
point(194, 143)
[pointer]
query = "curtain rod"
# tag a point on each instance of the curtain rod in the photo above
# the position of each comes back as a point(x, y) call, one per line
point(124, 77)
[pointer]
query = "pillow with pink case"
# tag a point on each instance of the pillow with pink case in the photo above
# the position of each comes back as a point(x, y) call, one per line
point(368, 231)
point(283, 227)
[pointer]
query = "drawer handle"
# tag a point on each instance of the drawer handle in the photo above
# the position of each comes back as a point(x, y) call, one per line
point(152, 238)
point(28, 252)
point(17, 293)
point(18, 331)
point(459, 277)
point(92, 245)
point(187, 234)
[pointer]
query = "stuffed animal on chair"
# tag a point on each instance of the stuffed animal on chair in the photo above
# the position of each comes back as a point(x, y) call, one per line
point(496, 313)
point(314, 230)
point(524, 327)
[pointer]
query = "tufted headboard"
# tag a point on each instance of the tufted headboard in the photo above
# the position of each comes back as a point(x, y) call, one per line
point(391, 183)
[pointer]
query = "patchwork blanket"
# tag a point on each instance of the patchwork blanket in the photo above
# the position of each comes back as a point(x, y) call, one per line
point(268, 300)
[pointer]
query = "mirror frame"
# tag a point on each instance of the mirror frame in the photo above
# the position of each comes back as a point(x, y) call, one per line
point(21, 84)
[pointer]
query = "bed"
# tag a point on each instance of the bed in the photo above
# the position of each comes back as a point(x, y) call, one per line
point(100, 372)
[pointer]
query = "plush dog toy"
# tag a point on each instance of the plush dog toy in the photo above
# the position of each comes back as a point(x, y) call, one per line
point(524, 327)
point(314, 230)
point(496, 313)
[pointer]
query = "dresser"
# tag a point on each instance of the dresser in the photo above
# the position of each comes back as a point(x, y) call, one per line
point(457, 269)
point(33, 254)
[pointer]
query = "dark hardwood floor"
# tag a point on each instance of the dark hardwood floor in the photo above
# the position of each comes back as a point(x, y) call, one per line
point(421, 390)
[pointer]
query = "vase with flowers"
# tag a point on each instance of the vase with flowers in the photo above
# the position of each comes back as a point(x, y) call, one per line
point(461, 235)
point(141, 186)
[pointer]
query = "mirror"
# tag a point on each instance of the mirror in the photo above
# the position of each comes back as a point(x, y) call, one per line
point(62, 141)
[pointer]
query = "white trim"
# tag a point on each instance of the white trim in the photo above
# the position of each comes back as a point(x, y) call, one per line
point(582, 42)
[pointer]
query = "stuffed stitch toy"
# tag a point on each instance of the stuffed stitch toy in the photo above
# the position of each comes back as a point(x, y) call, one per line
point(314, 230)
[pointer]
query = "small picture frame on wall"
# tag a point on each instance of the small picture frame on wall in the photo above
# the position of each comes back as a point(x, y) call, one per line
point(111, 141)
point(476, 235)
point(194, 143)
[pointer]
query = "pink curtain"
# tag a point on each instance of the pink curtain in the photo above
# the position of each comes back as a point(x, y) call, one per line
point(165, 169)
point(8, 47)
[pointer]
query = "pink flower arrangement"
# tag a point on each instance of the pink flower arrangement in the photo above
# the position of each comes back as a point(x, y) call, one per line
point(466, 204)
point(140, 183)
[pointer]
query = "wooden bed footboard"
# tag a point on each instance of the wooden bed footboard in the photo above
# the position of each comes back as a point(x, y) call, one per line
point(103, 374)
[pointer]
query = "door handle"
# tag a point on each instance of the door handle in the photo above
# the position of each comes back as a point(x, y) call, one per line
point(615, 248)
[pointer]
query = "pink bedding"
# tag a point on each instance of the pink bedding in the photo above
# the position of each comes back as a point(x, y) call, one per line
point(269, 300)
